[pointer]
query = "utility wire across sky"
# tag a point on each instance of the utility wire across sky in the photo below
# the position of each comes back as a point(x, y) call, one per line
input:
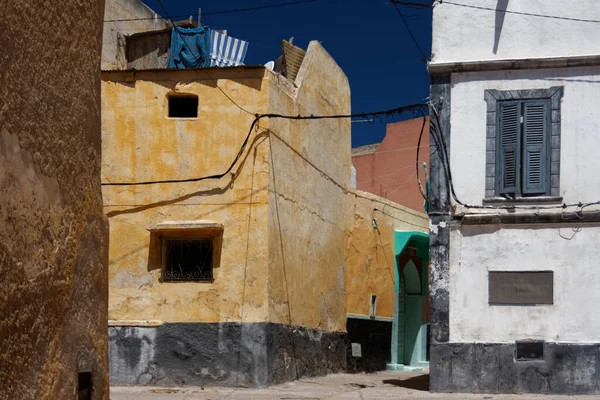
point(220, 12)
point(498, 10)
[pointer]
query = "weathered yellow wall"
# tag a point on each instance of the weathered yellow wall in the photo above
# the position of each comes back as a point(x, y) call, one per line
point(370, 252)
point(53, 234)
point(141, 143)
point(309, 238)
point(308, 207)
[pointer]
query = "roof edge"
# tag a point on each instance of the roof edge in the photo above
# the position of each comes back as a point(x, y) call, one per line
point(215, 68)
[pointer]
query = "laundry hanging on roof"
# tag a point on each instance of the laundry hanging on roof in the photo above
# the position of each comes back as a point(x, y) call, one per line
point(226, 51)
point(190, 48)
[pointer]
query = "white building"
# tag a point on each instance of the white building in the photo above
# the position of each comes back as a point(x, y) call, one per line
point(515, 274)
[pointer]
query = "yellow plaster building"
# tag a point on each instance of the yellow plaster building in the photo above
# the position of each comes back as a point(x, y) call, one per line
point(237, 279)
point(386, 281)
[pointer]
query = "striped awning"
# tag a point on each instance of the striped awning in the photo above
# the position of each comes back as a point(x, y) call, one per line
point(226, 51)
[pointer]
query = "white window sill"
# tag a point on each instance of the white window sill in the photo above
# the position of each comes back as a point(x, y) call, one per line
point(524, 200)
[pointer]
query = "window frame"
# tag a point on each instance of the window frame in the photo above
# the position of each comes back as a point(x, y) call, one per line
point(163, 258)
point(184, 230)
point(493, 99)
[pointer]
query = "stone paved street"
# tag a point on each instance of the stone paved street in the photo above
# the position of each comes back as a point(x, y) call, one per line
point(382, 385)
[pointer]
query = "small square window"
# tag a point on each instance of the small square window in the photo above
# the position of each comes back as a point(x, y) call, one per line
point(529, 350)
point(187, 259)
point(183, 106)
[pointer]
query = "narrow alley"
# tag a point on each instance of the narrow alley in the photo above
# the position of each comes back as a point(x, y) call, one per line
point(380, 385)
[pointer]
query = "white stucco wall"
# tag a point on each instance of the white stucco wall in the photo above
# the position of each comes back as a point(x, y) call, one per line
point(580, 128)
point(475, 250)
point(139, 18)
point(466, 34)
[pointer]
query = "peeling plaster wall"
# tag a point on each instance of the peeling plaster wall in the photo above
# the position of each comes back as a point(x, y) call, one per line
point(369, 266)
point(113, 40)
point(277, 301)
point(473, 342)
point(489, 35)
point(53, 234)
point(475, 252)
point(308, 205)
point(141, 143)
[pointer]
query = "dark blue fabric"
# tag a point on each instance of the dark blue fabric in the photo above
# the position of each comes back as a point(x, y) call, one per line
point(190, 48)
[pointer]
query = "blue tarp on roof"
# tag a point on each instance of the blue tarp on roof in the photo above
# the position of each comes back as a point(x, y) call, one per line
point(190, 48)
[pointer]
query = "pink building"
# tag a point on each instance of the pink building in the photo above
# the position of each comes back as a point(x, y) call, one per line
point(387, 169)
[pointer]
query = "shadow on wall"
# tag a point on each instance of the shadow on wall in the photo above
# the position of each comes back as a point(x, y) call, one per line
point(500, 14)
point(208, 192)
point(211, 79)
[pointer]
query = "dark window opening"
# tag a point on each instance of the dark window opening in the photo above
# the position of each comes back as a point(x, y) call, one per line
point(373, 306)
point(84, 386)
point(187, 259)
point(521, 288)
point(530, 350)
point(183, 106)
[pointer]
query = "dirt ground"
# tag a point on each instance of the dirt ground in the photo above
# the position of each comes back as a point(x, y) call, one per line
point(381, 385)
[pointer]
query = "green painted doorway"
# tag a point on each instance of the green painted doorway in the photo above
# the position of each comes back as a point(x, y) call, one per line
point(411, 316)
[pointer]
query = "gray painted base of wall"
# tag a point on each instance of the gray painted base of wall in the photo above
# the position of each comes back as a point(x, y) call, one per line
point(224, 354)
point(375, 339)
point(491, 368)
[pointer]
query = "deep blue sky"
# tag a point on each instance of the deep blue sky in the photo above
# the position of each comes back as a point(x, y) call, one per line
point(366, 38)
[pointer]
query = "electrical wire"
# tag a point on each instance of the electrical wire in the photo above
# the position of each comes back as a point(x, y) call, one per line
point(409, 3)
point(421, 190)
point(396, 187)
point(520, 12)
point(219, 12)
point(498, 10)
point(257, 118)
point(445, 160)
point(226, 95)
point(410, 33)
point(384, 151)
point(397, 171)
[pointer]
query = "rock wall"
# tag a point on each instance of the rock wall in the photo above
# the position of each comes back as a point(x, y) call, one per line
point(53, 234)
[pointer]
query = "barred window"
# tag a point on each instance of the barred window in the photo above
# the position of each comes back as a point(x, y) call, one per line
point(187, 259)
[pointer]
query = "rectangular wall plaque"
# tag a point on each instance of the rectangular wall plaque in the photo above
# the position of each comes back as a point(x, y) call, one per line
point(521, 287)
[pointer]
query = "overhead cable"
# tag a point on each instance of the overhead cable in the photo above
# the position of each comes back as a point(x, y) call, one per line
point(409, 3)
point(439, 141)
point(218, 12)
point(528, 14)
point(410, 33)
point(257, 118)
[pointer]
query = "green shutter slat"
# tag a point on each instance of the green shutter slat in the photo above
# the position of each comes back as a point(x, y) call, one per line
point(536, 131)
point(509, 154)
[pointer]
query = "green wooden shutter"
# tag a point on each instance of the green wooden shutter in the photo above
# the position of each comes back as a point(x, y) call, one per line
point(508, 164)
point(536, 128)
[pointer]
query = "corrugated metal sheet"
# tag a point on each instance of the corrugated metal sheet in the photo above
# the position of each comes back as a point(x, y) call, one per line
point(238, 67)
point(292, 58)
